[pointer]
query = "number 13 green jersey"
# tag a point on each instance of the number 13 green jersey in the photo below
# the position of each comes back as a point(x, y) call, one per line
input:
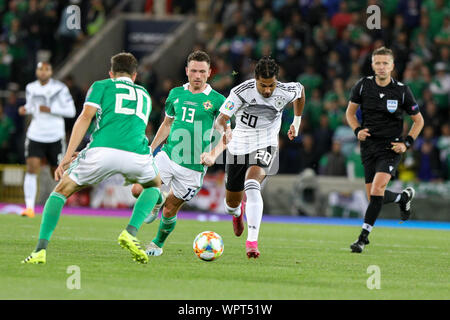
point(122, 115)
point(191, 133)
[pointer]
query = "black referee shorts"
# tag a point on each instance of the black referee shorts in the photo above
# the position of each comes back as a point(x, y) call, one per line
point(236, 166)
point(53, 151)
point(377, 156)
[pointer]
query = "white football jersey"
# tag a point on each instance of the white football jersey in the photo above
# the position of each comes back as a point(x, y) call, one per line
point(48, 127)
point(258, 119)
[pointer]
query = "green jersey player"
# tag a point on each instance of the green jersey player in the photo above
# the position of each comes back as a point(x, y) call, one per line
point(118, 145)
point(188, 127)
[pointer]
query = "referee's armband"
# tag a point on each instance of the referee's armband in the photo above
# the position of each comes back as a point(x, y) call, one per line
point(409, 141)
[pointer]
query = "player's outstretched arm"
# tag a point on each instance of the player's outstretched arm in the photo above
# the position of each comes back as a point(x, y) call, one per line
point(299, 105)
point(209, 158)
point(222, 124)
point(79, 130)
point(162, 133)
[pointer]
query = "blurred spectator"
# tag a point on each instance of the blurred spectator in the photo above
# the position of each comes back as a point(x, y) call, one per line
point(342, 18)
point(346, 137)
point(95, 17)
point(443, 145)
point(6, 59)
point(323, 135)
point(7, 129)
point(436, 10)
point(292, 63)
point(440, 86)
point(78, 99)
point(410, 11)
point(222, 80)
point(427, 153)
point(310, 79)
point(308, 155)
point(334, 162)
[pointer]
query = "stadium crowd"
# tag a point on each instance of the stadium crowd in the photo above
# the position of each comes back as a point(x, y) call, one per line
point(324, 44)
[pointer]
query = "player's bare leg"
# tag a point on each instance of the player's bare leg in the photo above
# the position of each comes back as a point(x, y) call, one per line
point(30, 185)
point(254, 208)
point(235, 206)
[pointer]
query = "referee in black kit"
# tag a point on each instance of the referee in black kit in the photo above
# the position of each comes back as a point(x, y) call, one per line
point(382, 101)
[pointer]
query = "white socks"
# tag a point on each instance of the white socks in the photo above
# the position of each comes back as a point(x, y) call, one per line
point(367, 227)
point(30, 189)
point(253, 208)
point(232, 211)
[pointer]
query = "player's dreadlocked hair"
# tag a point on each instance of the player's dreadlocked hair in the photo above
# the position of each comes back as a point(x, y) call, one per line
point(266, 68)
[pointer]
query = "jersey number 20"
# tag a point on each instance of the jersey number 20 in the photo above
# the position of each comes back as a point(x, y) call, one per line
point(132, 95)
point(249, 119)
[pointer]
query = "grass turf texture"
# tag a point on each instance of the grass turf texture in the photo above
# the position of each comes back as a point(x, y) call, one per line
point(297, 262)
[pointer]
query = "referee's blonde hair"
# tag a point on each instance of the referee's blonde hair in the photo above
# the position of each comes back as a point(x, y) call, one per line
point(383, 51)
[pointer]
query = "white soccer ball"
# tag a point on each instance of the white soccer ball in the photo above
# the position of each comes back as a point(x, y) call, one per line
point(208, 246)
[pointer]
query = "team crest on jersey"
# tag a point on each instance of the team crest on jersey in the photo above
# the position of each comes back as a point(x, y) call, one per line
point(229, 105)
point(208, 105)
point(392, 105)
point(279, 101)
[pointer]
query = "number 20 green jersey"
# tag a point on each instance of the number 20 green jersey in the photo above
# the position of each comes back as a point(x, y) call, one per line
point(122, 116)
point(191, 132)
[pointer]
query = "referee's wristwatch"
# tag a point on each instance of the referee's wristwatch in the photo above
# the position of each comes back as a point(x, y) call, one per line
point(409, 141)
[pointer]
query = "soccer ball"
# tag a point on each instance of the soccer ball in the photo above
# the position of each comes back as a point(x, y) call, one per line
point(208, 246)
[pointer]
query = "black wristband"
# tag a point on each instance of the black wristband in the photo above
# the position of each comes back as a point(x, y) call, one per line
point(409, 141)
point(357, 130)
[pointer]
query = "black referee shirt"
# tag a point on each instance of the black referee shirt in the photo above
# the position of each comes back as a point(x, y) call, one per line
point(382, 107)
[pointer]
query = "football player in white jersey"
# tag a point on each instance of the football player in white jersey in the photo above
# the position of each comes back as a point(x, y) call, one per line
point(257, 105)
point(49, 102)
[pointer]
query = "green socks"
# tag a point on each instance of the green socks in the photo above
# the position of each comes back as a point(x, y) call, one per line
point(50, 216)
point(166, 226)
point(144, 205)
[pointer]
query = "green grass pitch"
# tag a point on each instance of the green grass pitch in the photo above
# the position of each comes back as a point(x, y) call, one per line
point(297, 262)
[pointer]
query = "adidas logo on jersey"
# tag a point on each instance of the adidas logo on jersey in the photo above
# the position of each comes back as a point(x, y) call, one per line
point(253, 101)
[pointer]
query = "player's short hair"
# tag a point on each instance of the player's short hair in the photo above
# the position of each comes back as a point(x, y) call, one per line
point(266, 68)
point(124, 62)
point(383, 51)
point(199, 55)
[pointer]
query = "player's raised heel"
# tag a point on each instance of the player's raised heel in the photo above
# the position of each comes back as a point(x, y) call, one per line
point(154, 214)
point(132, 244)
point(405, 206)
point(36, 257)
point(358, 245)
point(153, 250)
point(28, 212)
point(238, 222)
point(252, 249)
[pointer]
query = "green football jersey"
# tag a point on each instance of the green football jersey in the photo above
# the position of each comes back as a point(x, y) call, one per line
point(122, 116)
point(192, 131)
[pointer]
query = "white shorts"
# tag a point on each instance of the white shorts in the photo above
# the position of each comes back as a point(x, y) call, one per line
point(96, 164)
point(184, 182)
